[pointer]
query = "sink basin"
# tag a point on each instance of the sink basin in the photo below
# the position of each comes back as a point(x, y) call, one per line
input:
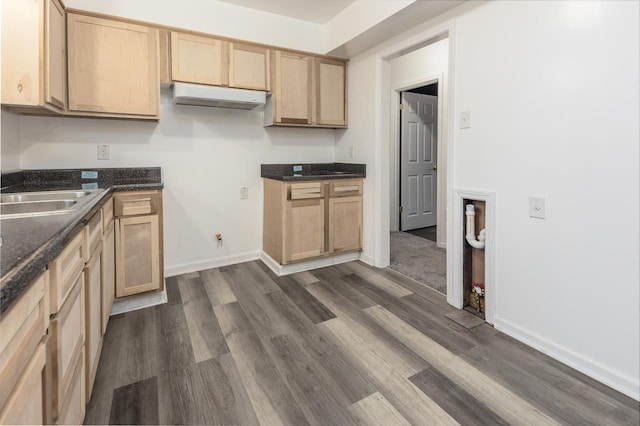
point(35, 208)
point(39, 196)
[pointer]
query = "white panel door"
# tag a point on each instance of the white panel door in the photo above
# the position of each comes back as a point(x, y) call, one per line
point(418, 158)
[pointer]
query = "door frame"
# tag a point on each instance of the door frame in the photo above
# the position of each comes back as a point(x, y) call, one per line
point(395, 155)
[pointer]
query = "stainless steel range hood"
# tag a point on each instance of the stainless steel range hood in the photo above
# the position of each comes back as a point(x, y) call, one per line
point(220, 97)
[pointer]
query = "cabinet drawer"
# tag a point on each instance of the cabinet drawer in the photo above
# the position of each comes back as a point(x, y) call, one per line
point(340, 188)
point(136, 203)
point(21, 330)
point(92, 235)
point(26, 403)
point(301, 191)
point(64, 271)
point(66, 345)
point(107, 214)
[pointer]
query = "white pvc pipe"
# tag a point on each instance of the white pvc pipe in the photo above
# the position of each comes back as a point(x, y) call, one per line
point(471, 229)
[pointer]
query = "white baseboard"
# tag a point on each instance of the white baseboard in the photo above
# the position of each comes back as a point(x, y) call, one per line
point(217, 262)
point(141, 301)
point(618, 380)
point(293, 268)
point(369, 260)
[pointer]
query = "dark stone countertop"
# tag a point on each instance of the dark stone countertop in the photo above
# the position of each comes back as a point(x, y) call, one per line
point(313, 171)
point(29, 244)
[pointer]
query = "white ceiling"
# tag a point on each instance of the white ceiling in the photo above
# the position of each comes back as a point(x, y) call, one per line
point(318, 11)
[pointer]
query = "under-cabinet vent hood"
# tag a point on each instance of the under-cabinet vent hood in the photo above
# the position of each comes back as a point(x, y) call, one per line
point(220, 97)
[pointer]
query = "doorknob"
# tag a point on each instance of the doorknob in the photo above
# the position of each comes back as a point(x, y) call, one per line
point(435, 167)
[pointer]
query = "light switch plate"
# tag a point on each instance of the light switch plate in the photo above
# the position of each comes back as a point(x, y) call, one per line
point(244, 193)
point(537, 207)
point(465, 119)
point(103, 152)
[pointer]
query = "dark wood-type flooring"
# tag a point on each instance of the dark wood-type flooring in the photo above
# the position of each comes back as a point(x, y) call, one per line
point(347, 344)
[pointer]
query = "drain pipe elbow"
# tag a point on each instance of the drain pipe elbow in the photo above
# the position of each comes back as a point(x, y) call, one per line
point(471, 229)
point(479, 243)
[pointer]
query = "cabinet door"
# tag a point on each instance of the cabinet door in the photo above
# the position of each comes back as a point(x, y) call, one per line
point(26, 404)
point(137, 255)
point(93, 318)
point(55, 55)
point(249, 67)
point(196, 59)
point(113, 66)
point(293, 88)
point(330, 92)
point(304, 229)
point(108, 273)
point(345, 223)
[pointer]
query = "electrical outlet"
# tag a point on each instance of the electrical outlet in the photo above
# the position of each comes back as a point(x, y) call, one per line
point(103, 152)
point(537, 207)
point(244, 193)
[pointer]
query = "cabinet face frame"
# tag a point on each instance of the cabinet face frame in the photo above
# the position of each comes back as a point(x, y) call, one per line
point(217, 75)
point(79, 58)
point(108, 267)
point(93, 317)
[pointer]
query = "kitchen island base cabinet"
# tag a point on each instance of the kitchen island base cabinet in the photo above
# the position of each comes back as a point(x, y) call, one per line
point(307, 220)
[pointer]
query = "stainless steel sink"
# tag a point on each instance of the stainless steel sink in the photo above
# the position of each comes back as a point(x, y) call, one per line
point(39, 196)
point(35, 207)
point(33, 204)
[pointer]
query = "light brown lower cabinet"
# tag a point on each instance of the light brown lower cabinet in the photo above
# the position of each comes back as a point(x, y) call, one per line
point(306, 220)
point(108, 265)
point(138, 242)
point(93, 317)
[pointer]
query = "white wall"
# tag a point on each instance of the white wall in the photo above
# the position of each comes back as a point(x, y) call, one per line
point(553, 92)
point(10, 136)
point(206, 155)
point(216, 17)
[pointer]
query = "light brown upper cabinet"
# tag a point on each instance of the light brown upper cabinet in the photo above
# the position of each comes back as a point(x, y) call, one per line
point(292, 93)
point(307, 91)
point(197, 59)
point(33, 55)
point(331, 98)
point(249, 67)
point(113, 67)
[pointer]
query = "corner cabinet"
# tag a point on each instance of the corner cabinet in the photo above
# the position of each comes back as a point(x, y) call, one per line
point(306, 220)
point(138, 242)
point(34, 56)
point(307, 91)
point(113, 67)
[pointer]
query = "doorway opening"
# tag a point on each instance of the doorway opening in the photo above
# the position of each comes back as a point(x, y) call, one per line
point(414, 248)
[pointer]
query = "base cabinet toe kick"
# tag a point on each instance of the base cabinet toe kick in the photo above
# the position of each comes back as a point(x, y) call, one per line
point(307, 220)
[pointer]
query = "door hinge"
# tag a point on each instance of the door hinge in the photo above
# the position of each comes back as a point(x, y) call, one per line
point(401, 107)
point(401, 209)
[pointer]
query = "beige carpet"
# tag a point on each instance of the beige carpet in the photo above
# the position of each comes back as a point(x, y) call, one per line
point(419, 259)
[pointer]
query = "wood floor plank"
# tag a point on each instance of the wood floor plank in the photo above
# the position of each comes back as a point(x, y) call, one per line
point(369, 332)
point(207, 340)
point(265, 318)
point(136, 404)
point(217, 287)
point(182, 400)
point(244, 283)
point(503, 401)
point(270, 397)
point(408, 399)
point(318, 398)
point(327, 355)
point(244, 412)
point(191, 289)
point(383, 283)
point(375, 410)
point(173, 345)
point(304, 278)
point(314, 309)
point(99, 407)
point(173, 292)
point(456, 401)
point(137, 359)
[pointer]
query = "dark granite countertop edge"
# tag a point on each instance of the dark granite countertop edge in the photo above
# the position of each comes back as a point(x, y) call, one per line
point(305, 178)
point(16, 281)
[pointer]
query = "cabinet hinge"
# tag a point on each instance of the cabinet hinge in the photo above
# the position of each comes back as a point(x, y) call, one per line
point(401, 209)
point(401, 107)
